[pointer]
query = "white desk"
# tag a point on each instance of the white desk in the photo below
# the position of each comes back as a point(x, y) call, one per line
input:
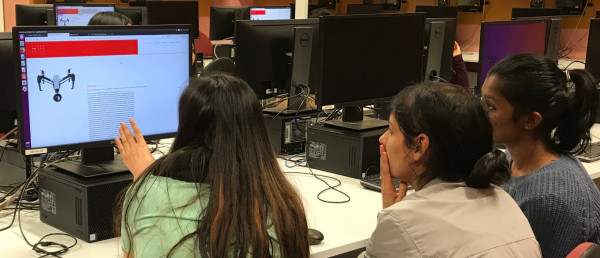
point(346, 226)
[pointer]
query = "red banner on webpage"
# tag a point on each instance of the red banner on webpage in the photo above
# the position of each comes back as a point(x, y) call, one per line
point(258, 12)
point(45, 49)
point(67, 11)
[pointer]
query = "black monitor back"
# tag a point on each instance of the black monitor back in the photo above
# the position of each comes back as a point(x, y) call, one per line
point(8, 87)
point(174, 12)
point(437, 11)
point(364, 8)
point(263, 53)
point(535, 12)
point(33, 14)
point(592, 60)
point(439, 50)
point(222, 20)
point(137, 14)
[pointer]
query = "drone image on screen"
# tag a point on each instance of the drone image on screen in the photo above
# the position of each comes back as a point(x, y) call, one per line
point(56, 82)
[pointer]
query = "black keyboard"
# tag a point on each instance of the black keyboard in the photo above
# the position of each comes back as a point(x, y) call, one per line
point(373, 182)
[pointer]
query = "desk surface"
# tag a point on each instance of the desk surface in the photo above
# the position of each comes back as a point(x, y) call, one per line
point(346, 226)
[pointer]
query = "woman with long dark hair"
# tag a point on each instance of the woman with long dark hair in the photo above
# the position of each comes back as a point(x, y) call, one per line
point(219, 192)
point(543, 116)
point(440, 142)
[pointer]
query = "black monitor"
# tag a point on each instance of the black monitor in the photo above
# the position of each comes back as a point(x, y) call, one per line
point(174, 12)
point(70, 14)
point(222, 20)
point(552, 34)
point(470, 5)
point(440, 34)
point(364, 8)
point(263, 53)
point(33, 14)
point(535, 12)
point(592, 59)
point(347, 77)
point(137, 14)
point(8, 98)
point(498, 41)
point(78, 83)
point(270, 12)
point(437, 11)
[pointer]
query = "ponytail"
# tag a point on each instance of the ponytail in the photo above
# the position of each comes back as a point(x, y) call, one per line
point(572, 133)
point(491, 168)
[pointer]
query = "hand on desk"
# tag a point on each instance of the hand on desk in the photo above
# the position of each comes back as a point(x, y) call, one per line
point(389, 196)
point(134, 150)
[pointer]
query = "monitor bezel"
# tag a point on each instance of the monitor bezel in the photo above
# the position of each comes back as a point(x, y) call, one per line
point(55, 5)
point(93, 144)
point(482, 37)
point(270, 7)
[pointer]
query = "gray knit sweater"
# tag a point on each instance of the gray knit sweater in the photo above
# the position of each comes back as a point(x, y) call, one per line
point(562, 204)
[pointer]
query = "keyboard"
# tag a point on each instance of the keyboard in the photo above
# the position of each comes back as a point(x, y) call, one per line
point(373, 182)
point(590, 153)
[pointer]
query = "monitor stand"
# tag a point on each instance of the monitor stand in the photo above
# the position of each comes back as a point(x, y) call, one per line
point(352, 118)
point(94, 162)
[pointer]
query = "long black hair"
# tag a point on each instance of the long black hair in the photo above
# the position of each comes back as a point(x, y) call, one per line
point(222, 141)
point(459, 131)
point(109, 18)
point(567, 101)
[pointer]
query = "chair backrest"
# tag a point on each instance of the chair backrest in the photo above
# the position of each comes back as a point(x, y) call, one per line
point(222, 64)
point(585, 250)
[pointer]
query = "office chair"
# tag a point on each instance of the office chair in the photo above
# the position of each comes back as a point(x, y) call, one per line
point(222, 64)
point(585, 250)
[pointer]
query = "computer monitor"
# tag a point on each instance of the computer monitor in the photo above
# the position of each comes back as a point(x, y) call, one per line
point(470, 5)
point(535, 12)
point(8, 98)
point(222, 20)
point(137, 14)
point(78, 14)
point(552, 34)
point(592, 59)
point(498, 41)
point(174, 12)
point(437, 11)
point(364, 8)
point(263, 53)
point(33, 14)
point(347, 77)
point(440, 34)
point(78, 83)
point(270, 13)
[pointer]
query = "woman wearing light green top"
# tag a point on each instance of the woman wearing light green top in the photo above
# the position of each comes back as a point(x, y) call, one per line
point(219, 192)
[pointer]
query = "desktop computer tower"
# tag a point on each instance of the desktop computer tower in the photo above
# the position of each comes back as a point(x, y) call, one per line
point(341, 151)
point(287, 133)
point(82, 207)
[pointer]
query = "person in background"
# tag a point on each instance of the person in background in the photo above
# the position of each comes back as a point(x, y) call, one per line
point(219, 191)
point(457, 209)
point(543, 116)
point(459, 69)
point(109, 18)
point(316, 13)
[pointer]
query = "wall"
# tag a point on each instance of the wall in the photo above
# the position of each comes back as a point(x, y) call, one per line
point(2, 15)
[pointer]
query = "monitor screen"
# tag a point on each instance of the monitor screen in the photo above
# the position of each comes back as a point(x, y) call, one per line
point(8, 98)
point(271, 13)
point(592, 60)
point(437, 11)
point(498, 41)
point(535, 12)
point(263, 53)
point(174, 12)
point(79, 14)
point(348, 76)
point(137, 14)
point(222, 20)
point(78, 83)
point(33, 14)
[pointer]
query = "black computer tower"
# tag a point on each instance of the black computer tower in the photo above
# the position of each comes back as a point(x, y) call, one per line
point(287, 133)
point(82, 207)
point(341, 151)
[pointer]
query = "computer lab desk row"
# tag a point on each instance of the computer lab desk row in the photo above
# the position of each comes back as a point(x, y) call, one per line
point(346, 226)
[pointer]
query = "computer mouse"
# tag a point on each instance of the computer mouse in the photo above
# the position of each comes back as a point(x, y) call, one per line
point(314, 236)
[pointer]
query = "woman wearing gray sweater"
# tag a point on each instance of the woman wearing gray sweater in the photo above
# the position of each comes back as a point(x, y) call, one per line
point(543, 116)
